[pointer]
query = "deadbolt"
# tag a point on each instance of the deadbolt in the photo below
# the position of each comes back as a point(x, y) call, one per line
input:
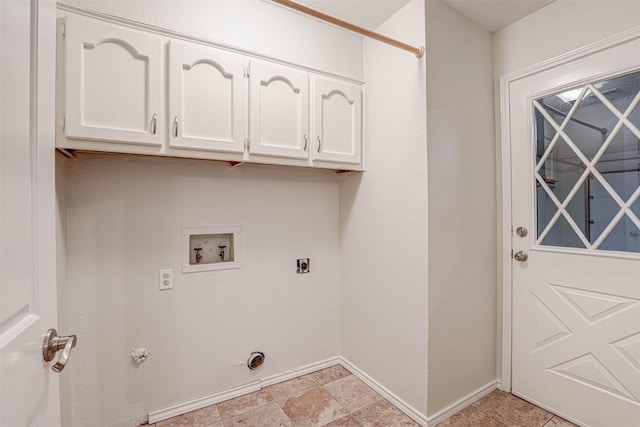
point(521, 256)
point(522, 231)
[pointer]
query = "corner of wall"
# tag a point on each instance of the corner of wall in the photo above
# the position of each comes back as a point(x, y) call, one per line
point(462, 193)
point(384, 220)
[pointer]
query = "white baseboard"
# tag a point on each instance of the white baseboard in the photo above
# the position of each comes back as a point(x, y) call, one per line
point(459, 405)
point(384, 392)
point(295, 373)
point(136, 422)
point(413, 413)
point(203, 402)
point(212, 399)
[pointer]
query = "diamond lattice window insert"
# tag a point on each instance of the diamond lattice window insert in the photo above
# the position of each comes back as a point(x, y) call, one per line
point(587, 172)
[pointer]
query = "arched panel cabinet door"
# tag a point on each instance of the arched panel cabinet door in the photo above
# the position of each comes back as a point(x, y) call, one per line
point(279, 111)
point(206, 98)
point(337, 121)
point(113, 89)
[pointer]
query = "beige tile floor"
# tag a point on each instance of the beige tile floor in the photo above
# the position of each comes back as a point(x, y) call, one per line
point(333, 397)
point(500, 409)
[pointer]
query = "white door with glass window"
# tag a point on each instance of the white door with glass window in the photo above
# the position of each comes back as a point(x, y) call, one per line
point(575, 162)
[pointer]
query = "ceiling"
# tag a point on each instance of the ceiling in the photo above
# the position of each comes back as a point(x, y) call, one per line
point(491, 15)
point(365, 13)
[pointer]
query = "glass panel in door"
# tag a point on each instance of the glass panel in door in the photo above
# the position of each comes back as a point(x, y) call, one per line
point(587, 174)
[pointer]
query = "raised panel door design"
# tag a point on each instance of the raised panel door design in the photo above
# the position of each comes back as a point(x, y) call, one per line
point(574, 132)
point(113, 86)
point(29, 392)
point(337, 125)
point(206, 98)
point(279, 111)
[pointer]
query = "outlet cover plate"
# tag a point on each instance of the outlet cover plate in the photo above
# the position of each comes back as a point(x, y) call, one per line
point(166, 279)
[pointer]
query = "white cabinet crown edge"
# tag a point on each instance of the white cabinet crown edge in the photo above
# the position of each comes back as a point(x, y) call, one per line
point(62, 7)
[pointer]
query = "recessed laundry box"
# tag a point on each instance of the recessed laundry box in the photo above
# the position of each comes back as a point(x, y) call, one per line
point(210, 248)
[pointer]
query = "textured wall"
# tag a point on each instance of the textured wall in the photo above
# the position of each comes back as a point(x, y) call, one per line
point(125, 215)
point(61, 276)
point(462, 227)
point(548, 33)
point(124, 218)
point(384, 220)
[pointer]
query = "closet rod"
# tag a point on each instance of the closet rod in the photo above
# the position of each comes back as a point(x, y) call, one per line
point(418, 51)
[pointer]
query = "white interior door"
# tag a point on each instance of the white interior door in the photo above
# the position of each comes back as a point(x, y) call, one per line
point(28, 388)
point(575, 161)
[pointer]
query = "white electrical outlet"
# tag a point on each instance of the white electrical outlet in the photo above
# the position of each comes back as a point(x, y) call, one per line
point(166, 279)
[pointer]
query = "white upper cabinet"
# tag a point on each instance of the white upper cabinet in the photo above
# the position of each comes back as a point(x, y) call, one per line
point(128, 89)
point(337, 129)
point(113, 88)
point(206, 98)
point(279, 111)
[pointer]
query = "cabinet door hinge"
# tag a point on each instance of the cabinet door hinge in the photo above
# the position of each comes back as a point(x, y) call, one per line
point(63, 30)
point(247, 143)
point(62, 124)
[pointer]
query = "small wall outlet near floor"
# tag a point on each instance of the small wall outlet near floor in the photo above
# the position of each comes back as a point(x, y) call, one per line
point(303, 265)
point(166, 279)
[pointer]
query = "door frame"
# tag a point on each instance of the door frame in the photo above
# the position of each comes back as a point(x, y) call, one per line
point(505, 205)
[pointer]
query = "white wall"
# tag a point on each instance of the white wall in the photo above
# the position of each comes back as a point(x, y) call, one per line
point(383, 220)
point(559, 28)
point(125, 215)
point(462, 226)
point(124, 218)
point(61, 277)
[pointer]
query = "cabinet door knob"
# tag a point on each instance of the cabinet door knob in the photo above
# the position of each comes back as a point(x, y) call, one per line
point(154, 123)
point(175, 127)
